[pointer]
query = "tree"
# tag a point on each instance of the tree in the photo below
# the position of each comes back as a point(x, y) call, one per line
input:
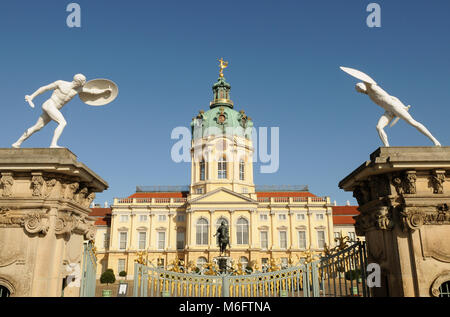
point(107, 277)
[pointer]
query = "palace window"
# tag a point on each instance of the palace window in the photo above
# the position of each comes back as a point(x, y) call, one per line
point(352, 236)
point(202, 170)
point(181, 218)
point(142, 240)
point(199, 190)
point(222, 169)
point(219, 222)
point(264, 264)
point(180, 240)
point(161, 217)
point(283, 239)
point(302, 239)
point(263, 217)
point(161, 240)
point(121, 265)
point(143, 218)
point(122, 240)
point(201, 261)
point(106, 241)
point(264, 240)
point(319, 216)
point(282, 217)
point(123, 218)
point(300, 216)
point(337, 235)
point(241, 170)
point(242, 231)
point(321, 239)
point(244, 261)
point(202, 232)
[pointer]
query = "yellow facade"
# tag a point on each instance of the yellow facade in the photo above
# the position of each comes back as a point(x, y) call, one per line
point(170, 225)
point(150, 217)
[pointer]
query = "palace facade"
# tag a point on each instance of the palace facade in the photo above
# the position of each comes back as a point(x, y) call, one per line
point(265, 222)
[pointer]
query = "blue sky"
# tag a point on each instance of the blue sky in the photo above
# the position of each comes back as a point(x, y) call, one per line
point(284, 58)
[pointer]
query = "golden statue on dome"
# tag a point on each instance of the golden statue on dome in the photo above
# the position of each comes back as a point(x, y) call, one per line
point(222, 66)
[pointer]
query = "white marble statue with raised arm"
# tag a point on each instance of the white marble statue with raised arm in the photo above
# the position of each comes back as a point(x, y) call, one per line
point(394, 108)
point(63, 92)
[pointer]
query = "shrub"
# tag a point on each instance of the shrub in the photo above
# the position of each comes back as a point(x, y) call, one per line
point(123, 273)
point(107, 277)
point(353, 274)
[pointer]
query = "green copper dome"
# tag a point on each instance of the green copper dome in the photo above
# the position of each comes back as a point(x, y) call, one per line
point(221, 118)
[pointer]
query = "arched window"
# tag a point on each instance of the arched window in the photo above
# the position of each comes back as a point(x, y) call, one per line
point(241, 170)
point(202, 170)
point(202, 231)
point(244, 261)
point(201, 261)
point(444, 289)
point(222, 168)
point(242, 231)
point(219, 222)
point(4, 291)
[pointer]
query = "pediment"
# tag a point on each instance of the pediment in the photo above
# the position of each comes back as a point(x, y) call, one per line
point(222, 195)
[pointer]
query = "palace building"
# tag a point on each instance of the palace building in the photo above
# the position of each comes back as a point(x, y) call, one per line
point(265, 222)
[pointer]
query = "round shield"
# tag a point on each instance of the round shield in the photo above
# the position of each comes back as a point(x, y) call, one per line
point(94, 99)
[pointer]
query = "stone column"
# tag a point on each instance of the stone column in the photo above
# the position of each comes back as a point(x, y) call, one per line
point(404, 198)
point(45, 196)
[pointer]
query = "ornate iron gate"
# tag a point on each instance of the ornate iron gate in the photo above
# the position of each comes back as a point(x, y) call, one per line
point(343, 271)
point(301, 280)
point(88, 271)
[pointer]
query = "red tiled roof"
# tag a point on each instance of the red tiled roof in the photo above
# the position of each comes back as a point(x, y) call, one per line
point(343, 215)
point(159, 195)
point(345, 210)
point(99, 212)
point(285, 194)
point(103, 222)
point(103, 216)
point(343, 220)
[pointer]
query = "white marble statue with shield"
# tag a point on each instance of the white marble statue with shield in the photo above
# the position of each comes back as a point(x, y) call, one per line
point(97, 92)
point(394, 108)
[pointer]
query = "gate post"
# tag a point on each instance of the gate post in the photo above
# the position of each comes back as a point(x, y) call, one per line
point(136, 279)
point(225, 286)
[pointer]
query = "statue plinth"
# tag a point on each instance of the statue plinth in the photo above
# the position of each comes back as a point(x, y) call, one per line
point(45, 196)
point(404, 200)
point(224, 263)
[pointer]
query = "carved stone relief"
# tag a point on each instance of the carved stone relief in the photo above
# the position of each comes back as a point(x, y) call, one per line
point(33, 221)
point(437, 181)
point(6, 184)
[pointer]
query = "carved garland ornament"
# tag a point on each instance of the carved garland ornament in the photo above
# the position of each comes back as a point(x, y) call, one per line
point(413, 218)
point(33, 221)
point(69, 222)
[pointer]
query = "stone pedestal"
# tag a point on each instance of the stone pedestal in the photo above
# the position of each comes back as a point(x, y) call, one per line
point(45, 196)
point(224, 263)
point(404, 199)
